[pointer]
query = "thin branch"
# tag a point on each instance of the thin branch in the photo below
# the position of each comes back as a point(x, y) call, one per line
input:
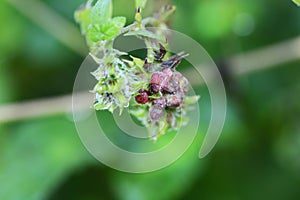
point(39, 108)
point(266, 57)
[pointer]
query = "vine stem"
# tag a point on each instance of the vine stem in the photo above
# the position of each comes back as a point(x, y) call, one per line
point(128, 28)
point(146, 21)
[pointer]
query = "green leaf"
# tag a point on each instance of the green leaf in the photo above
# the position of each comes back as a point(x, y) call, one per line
point(102, 11)
point(106, 30)
point(94, 33)
point(52, 155)
point(83, 17)
point(113, 27)
point(119, 22)
point(140, 4)
point(297, 2)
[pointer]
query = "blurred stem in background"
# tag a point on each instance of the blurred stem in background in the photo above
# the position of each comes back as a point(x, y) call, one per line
point(241, 64)
point(53, 23)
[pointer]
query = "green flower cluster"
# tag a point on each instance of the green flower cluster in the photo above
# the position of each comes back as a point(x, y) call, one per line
point(116, 82)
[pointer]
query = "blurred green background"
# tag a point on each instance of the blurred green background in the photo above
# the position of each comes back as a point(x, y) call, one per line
point(256, 157)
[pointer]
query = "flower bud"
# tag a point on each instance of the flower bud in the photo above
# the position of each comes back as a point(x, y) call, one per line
point(156, 113)
point(161, 102)
point(173, 101)
point(178, 83)
point(159, 81)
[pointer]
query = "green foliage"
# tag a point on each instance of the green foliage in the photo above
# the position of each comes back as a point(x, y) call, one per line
point(5, 88)
point(174, 180)
point(297, 2)
point(217, 19)
point(107, 30)
point(10, 39)
point(97, 24)
point(32, 165)
point(210, 24)
point(82, 16)
point(101, 12)
point(113, 27)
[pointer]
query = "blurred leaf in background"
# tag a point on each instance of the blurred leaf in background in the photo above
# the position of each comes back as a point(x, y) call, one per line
point(36, 155)
point(217, 17)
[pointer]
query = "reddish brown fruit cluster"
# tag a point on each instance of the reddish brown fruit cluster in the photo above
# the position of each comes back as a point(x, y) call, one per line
point(173, 101)
point(169, 84)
